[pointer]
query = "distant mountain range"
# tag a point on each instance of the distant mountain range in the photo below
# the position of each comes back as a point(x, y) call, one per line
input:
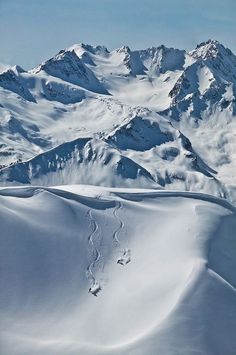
point(160, 117)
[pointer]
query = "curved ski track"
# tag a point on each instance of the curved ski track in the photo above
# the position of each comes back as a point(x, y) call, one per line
point(121, 223)
point(94, 250)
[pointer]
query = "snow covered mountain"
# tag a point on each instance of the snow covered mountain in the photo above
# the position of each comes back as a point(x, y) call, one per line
point(206, 85)
point(159, 117)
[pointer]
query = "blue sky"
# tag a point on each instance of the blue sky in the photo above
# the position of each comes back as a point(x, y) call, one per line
point(31, 31)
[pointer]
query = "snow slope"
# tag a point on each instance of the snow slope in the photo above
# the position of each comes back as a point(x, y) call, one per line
point(91, 270)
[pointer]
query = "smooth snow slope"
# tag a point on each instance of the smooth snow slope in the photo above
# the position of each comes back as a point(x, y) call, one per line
point(159, 267)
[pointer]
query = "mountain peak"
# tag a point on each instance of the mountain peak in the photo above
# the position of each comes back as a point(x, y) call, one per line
point(124, 49)
point(67, 66)
point(161, 59)
point(17, 69)
point(209, 49)
point(89, 48)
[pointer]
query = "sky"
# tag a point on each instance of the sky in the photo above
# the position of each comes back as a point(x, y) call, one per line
point(32, 31)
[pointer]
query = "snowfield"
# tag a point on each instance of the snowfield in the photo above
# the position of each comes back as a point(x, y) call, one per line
point(92, 270)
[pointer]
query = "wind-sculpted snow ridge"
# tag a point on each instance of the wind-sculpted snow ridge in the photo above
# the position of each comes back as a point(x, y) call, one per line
point(158, 117)
point(173, 289)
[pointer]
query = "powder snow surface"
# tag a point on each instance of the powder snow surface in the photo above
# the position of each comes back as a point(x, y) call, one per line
point(94, 271)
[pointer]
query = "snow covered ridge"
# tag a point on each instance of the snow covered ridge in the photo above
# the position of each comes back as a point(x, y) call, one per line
point(160, 117)
point(165, 259)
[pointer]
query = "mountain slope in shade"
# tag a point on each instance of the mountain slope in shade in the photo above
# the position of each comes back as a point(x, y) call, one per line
point(69, 254)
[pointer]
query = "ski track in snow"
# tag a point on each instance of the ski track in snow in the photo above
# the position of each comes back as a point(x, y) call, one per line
point(95, 254)
point(120, 221)
point(95, 287)
point(125, 257)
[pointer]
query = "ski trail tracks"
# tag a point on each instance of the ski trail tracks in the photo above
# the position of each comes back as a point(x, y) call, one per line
point(94, 237)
